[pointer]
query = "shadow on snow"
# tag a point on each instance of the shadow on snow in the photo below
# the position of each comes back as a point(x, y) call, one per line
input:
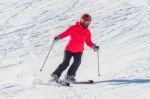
point(125, 81)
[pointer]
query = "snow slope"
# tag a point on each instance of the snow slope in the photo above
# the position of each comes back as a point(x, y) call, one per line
point(120, 28)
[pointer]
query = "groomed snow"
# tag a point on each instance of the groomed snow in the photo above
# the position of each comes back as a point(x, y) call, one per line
point(120, 28)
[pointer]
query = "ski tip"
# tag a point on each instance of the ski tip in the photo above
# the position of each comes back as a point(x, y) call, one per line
point(91, 81)
point(67, 84)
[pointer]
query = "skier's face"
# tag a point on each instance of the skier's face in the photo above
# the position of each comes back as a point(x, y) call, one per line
point(86, 22)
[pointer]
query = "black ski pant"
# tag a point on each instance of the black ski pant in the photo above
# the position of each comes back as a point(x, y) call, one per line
point(66, 60)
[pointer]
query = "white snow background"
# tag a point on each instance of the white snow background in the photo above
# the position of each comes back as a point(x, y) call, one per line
point(120, 27)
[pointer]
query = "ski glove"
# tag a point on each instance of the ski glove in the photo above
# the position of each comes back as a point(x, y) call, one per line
point(96, 48)
point(56, 39)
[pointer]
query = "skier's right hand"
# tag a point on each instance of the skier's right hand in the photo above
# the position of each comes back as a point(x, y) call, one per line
point(56, 39)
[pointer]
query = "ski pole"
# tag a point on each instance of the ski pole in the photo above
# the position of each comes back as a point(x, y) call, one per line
point(98, 62)
point(47, 56)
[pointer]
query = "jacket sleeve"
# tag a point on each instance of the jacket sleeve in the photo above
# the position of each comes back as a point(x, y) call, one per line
point(88, 40)
point(65, 33)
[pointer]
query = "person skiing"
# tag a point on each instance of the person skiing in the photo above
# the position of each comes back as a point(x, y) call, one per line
point(79, 33)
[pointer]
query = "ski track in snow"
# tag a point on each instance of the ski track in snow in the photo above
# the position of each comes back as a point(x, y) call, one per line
point(120, 28)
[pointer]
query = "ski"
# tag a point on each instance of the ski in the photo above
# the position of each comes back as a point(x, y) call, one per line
point(52, 83)
point(84, 82)
point(69, 84)
point(64, 83)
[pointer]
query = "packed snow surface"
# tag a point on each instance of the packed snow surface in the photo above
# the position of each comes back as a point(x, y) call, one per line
point(120, 27)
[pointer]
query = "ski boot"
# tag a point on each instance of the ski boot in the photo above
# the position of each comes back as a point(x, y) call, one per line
point(70, 79)
point(54, 78)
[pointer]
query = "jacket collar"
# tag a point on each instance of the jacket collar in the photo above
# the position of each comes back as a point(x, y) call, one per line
point(79, 25)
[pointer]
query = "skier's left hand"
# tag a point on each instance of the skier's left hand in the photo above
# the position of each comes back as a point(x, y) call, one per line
point(96, 48)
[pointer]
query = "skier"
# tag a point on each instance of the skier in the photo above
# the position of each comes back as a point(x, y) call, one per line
point(79, 33)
